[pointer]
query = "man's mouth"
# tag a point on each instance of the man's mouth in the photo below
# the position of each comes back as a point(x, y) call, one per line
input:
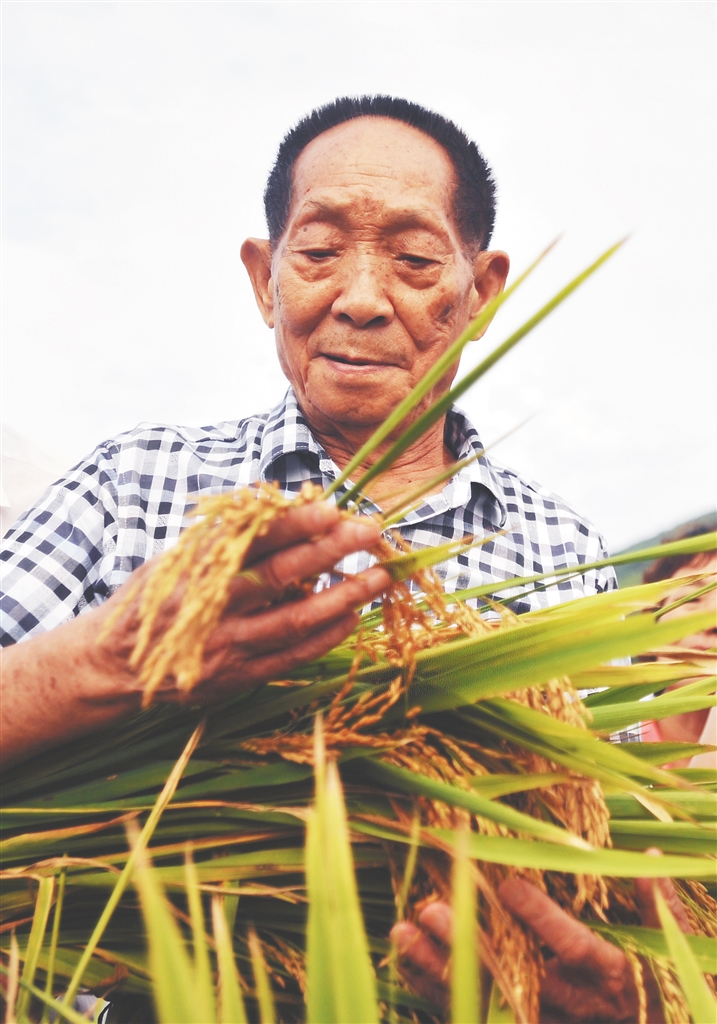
point(354, 361)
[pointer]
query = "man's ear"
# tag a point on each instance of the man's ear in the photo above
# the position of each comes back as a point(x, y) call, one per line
point(256, 257)
point(490, 271)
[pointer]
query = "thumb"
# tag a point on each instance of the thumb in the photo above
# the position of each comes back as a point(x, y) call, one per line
point(646, 903)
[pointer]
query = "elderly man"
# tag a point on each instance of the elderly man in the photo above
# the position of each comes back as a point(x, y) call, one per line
point(380, 214)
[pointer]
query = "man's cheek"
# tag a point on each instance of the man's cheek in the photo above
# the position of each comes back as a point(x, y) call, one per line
point(300, 306)
point(437, 320)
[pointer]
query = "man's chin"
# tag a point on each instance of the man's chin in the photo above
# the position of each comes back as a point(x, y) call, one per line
point(348, 419)
point(362, 405)
point(330, 412)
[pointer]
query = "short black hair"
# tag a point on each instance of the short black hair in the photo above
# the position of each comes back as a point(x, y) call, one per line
point(474, 199)
point(665, 568)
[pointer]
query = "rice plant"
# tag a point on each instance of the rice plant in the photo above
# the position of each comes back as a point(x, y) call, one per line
point(248, 864)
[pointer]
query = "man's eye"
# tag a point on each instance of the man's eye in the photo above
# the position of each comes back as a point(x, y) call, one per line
point(318, 254)
point(415, 261)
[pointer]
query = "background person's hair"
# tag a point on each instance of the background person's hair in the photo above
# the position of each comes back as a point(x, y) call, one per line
point(474, 198)
point(665, 568)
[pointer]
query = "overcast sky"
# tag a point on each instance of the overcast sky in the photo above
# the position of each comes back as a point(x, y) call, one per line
point(137, 137)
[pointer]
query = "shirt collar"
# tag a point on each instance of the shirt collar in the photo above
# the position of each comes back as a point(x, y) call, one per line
point(463, 440)
point(287, 432)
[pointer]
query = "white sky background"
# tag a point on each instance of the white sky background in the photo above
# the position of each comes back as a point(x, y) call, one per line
point(137, 138)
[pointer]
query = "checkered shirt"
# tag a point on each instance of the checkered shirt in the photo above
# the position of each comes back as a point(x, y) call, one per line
point(128, 499)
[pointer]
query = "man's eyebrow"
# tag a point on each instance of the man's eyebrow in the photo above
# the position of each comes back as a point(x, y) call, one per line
point(398, 218)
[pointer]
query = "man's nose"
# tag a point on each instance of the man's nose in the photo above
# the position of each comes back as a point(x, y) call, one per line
point(363, 298)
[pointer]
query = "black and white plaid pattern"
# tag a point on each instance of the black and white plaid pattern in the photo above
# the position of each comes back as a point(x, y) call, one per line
point(128, 499)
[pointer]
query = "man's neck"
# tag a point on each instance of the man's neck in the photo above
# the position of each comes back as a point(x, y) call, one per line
point(422, 462)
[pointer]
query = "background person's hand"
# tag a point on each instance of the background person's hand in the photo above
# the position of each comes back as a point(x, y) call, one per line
point(586, 980)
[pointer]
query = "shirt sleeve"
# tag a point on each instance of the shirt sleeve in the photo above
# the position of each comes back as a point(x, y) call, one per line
point(55, 558)
point(598, 581)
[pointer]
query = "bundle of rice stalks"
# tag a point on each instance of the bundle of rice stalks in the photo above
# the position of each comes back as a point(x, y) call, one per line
point(457, 737)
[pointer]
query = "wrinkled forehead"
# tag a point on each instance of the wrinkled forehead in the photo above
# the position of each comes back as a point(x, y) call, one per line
point(374, 161)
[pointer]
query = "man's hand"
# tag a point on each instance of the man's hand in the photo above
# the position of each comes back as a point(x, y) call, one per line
point(257, 638)
point(587, 979)
point(68, 682)
point(424, 950)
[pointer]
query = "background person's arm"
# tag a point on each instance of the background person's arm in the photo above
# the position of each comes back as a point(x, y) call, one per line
point(65, 683)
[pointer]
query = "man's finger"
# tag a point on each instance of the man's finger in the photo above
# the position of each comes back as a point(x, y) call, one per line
point(645, 899)
point(422, 964)
point(283, 626)
point(571, 941)
point(567, 999)
point(234, 675)
point(269, 578)
point(436, 919)
point(294, 526)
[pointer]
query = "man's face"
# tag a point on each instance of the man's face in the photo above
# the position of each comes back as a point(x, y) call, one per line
point(370, 283)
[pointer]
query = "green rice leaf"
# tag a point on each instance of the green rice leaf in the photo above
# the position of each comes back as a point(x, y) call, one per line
point(498, 1014)
point(204, 988)
point(527, 656)
point(465, 972)
point(96, 973)
point(173, 975)
point(231, 905)
point(614, 863)
point(694, 987)
point(215, 871)
point(231, 1004)
point(531, 853)
point(669, 836)
point(400, 567)
point(653, 942)
point(706, 778)
point(121, 785)
point(688, 546)
point(395, 995)
point(122, 882)
point(702, 805)
point(53, 940)
point(13, 979)
point(64, 1012)
point(410, 868)
point(267, 1013)
point(23, 844)
point(495, 785)
point(340, 981)
point(34, 943)
point(413, 782)
point(574, 748)
point(663, 753)
point(607, 720)
point(630, 682)
point(401, 901)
